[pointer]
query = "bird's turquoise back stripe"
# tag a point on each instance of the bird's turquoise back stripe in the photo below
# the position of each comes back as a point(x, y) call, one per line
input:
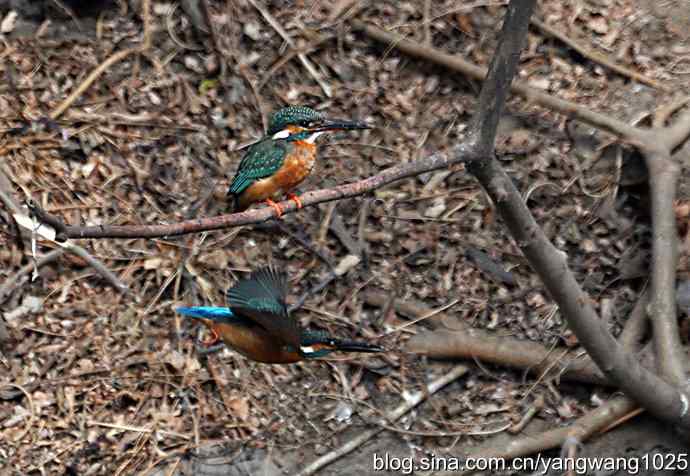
point(213, 313)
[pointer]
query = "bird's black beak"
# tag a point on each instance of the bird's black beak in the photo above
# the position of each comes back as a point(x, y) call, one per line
point(351, 346)
point(339, 125)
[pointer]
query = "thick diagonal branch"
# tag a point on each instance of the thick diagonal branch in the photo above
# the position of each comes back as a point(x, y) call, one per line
point(550, 263)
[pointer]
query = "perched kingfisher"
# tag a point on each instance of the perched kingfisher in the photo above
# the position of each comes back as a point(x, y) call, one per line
point(256, 323)
point(284, 158)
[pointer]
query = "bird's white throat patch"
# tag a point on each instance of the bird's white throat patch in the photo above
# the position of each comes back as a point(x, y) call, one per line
point(307, 349)
point(312, 138)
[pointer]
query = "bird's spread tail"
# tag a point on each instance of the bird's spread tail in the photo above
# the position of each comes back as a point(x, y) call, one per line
point(237, 206)
point(206, 312)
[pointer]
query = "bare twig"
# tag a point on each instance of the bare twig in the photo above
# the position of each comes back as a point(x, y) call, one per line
point(410, 402)
point(13, 205)
point(311, 69)
point(428, 315)
point(528, 416)
point(10, 283)
point(584, 427)
point(636, 324)
point(407, 307)
point(471, 70)
point(663, 113)
point(427, 22)
point(284, 59)
point(32, 410)
point(137, 429)
point(116, 58)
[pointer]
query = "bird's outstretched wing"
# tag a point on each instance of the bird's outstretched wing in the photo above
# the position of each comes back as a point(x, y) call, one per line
point(262, 160)
point(261, 298)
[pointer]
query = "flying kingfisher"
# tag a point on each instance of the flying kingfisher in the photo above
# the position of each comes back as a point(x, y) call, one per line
point(256, 323)
point(284, 158)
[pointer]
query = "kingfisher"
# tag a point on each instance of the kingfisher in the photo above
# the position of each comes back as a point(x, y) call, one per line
point(256, 323)
point(284, 157)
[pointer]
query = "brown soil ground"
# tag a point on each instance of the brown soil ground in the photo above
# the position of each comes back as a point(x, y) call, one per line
point(116, 381)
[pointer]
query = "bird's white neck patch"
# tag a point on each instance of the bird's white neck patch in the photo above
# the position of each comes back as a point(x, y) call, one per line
point(312, 138)
point(307, 349)
point(284, 134)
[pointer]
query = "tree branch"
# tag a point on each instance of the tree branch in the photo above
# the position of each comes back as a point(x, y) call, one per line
point(550, 263)
point(252, 216)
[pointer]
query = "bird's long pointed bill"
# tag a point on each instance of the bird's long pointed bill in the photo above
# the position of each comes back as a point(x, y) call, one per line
point(340, 125)
point(351, 346)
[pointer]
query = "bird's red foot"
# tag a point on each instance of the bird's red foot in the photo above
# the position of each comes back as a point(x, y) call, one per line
point(295, 199)
point(213, 340)
point(276, 207)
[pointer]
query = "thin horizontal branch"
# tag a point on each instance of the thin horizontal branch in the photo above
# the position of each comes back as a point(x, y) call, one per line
point(433, 162)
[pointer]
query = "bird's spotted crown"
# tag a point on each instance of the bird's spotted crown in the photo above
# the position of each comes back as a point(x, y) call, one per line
point(293, 115)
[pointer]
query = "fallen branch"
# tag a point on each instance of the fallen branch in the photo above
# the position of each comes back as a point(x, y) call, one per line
point(598, 58)
point(508, 351)
point(583, 428)
point(410, 402)
point(471, 70)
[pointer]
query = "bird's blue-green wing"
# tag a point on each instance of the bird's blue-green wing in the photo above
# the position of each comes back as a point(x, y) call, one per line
point(261, 298)
point(262, 160)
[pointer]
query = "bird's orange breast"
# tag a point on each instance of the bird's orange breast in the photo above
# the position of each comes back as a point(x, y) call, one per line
point(255, 343)
point(297, 166)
